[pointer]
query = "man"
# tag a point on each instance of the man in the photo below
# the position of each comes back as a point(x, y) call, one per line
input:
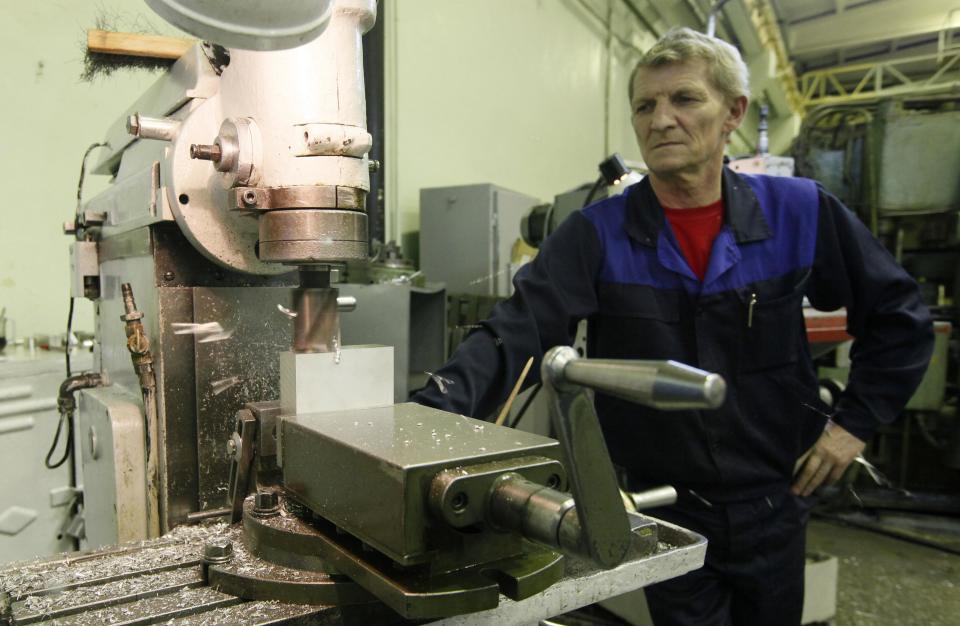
point(699, 264)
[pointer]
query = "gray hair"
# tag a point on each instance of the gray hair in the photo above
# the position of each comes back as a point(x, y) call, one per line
point(725, 66)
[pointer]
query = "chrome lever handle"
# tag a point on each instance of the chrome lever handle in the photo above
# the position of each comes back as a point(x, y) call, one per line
point(660, 384)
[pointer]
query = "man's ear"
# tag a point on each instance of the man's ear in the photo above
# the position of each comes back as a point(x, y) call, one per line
point(735, 114)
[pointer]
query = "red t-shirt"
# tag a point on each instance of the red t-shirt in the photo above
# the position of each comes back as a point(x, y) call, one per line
point(695, 230)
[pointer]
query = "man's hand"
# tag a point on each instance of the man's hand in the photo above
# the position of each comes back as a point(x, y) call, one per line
point(827, 459)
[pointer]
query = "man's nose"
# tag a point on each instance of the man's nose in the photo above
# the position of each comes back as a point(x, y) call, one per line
point(662, 117)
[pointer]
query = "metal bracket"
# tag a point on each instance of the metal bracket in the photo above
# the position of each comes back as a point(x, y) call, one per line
point(242, 447)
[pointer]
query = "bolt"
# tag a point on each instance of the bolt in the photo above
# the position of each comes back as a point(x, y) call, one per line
point(168, 276)
point(266, 503)
point(133, 124)
point(250, 197)
point(231, 447)
point(218, 550)
point(374, 165)
point(205, 152)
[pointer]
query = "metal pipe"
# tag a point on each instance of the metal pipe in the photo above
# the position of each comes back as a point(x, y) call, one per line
point(198, 516)
point(152, 127)
point(139, 346)
point(664, 385)
point(712, 18)
point(653, 498)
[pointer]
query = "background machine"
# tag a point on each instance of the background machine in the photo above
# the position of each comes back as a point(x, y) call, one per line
point(222, 388)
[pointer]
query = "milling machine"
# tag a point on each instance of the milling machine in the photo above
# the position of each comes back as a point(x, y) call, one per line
point(239, 189)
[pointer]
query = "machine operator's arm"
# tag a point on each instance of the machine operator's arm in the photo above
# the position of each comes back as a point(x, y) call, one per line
point(892, 330)
point(552, 294)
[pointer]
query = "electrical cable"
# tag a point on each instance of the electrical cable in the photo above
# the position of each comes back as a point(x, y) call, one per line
point(69, 332)
point(66, 416)
point(593, 192)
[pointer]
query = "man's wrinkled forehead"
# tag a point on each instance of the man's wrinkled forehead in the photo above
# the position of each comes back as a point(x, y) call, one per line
point(688, 76)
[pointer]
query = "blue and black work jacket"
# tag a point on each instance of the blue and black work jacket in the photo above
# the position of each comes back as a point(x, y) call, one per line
point(618, 265)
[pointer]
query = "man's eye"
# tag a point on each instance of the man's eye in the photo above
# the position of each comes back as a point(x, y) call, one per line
point(645, 107)
point(684, 99)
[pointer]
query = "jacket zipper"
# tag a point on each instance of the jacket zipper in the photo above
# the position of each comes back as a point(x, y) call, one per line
point(753, 303)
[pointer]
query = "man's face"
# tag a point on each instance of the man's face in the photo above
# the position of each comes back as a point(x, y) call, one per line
point(681, 119)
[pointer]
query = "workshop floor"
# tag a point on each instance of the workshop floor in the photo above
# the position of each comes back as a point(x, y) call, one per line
point(886, 581)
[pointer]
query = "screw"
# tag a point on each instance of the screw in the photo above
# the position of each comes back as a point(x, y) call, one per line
point(266, 504)
point(168, 276)
point(218, 550)
point(205, 152)
point(374, 165)
point(459, 502)
point(231, 447)
point(250, 197)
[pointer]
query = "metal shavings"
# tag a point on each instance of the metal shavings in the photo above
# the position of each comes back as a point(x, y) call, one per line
point(489, 277)
point(405, 279)
point(216, 337)
point(250, 612)
point(165, 606)
point(876, 475)
point(179, 546)
point(440, 381)
point(189, 328)
point(286, 311)
point(207, 331)
point(125, 587)
point(219, 386)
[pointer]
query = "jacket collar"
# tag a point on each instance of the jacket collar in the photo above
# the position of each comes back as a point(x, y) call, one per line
point(742, 212)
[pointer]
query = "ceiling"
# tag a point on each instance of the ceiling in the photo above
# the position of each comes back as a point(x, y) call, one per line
point(827, 33)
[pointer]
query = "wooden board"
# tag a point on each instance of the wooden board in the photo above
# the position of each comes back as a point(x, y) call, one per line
point(132, 44)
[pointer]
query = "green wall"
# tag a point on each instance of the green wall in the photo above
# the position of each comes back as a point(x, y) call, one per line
point(48, 117)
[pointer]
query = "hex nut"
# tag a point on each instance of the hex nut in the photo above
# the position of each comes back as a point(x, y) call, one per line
point(266, 503)
point(218, 550)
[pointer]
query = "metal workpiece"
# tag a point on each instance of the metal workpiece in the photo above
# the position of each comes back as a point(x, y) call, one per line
point(164, 129)
point(353, 378)
point(316, 327)
point(394, 452)
point(666, 385)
